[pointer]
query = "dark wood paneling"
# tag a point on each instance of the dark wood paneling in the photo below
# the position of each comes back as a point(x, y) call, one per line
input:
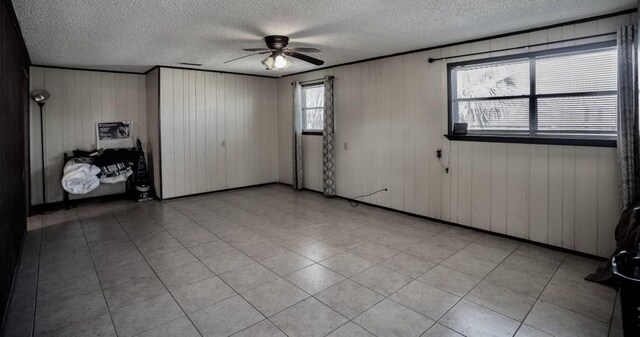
point(14, 93)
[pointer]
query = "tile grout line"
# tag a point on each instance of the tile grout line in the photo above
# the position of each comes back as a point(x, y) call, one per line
point(153, 216)
point(282, 277)
point(35, 301)
point(540, 295)
point(174, 237)
point(461, 297)
point(613, 312)
point(225, 282)
point(154, 272)
point(514, 252)
point(374, 264)
point(95, 270)
point(437, 264)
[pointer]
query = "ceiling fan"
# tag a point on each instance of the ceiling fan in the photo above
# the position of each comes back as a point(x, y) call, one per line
point(277, 47)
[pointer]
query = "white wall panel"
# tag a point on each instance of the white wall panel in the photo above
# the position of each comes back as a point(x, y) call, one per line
point(312, 164)
point(393, 114)
point(555, 200)
point(499, 188)
point(481, 186)
point(568, 196)
point(586, 200)
point(79, 100)
point(218, 131)
point(608, 201)
point(539, 193)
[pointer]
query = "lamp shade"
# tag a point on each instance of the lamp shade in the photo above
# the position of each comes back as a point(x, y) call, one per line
point(276, 61)
point(269, 62)
point(40, 96)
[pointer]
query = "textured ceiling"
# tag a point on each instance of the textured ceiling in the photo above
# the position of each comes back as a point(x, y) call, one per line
point(133, 35)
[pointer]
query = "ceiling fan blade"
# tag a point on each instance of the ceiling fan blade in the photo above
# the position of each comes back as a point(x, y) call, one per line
point(241, 57)
point(256, 49)
point(305, 58)
point(306, 50)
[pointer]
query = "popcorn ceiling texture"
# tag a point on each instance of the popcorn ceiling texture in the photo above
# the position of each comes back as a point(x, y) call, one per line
point(133, 35)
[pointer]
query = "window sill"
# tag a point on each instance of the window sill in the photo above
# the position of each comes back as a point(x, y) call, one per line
point(597, 142)
point(312, 133)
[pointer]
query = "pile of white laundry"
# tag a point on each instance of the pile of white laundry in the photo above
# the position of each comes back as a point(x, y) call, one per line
point(80, 177)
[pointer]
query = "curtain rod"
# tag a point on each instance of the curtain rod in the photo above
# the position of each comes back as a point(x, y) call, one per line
point(313, 81)
point(431, 60)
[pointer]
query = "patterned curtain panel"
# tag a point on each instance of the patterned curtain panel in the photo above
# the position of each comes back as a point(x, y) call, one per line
point(628, 132)
point(328, 140)
point(298, 169)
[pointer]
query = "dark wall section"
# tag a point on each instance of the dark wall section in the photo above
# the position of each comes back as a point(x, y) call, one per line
point(14, 96)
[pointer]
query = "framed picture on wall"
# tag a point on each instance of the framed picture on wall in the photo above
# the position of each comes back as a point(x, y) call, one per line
point(115, 135)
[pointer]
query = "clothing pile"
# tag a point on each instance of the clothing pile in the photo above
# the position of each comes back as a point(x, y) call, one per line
point(80, 176)
point(115, 173)
point(86, 170)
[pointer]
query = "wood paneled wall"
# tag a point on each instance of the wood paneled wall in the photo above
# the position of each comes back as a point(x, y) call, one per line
point(217, 131)
point(79, 100)
point(14, 95)
point(392, 112)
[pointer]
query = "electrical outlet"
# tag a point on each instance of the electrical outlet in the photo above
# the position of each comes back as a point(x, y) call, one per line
point(439, 153)
point(345, 146)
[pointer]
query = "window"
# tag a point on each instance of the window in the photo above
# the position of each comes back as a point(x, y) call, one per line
point(567, 93)
point(312, 108)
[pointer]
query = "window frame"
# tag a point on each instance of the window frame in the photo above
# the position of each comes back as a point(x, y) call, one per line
point(310, 132)
point(597, 138)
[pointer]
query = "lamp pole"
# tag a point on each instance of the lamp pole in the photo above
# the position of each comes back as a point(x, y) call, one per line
point(40, 96)
point(44, 188)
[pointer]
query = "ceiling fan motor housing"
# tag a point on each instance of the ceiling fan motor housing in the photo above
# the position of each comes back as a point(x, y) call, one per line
point(276, 41)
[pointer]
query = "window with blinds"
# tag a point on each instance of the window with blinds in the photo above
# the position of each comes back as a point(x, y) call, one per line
point(313, 107)
point(566, 92)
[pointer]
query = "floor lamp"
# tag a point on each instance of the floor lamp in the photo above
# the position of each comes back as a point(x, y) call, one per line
point(40, 96)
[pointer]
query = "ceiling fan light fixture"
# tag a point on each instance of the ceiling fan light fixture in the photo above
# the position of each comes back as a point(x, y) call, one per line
point(280, 55)
point(280, 62)
point(276, 61)
point(269, 62)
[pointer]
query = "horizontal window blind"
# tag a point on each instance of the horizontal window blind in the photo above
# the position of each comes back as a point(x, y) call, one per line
point(313, 107)
point(313, 119)
point(494, 80)
point(589, 113)
point(565, 92)
point(504, 114)
point(581, 72)
point(313, 97)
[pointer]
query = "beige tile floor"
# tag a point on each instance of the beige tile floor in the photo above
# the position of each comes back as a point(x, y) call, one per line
point(268, 261)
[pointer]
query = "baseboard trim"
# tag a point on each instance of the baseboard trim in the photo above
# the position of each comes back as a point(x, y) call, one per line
point(218, 191)
point(445, 222)
point(423, 217)
point(59, 205)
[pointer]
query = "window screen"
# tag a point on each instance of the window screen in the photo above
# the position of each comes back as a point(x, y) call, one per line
point(313, 107)
point(569, 92)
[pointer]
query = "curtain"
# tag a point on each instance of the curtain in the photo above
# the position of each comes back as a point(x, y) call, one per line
point(627, 231)
point(328, 148)
point(628, 127)
point(298, 170)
